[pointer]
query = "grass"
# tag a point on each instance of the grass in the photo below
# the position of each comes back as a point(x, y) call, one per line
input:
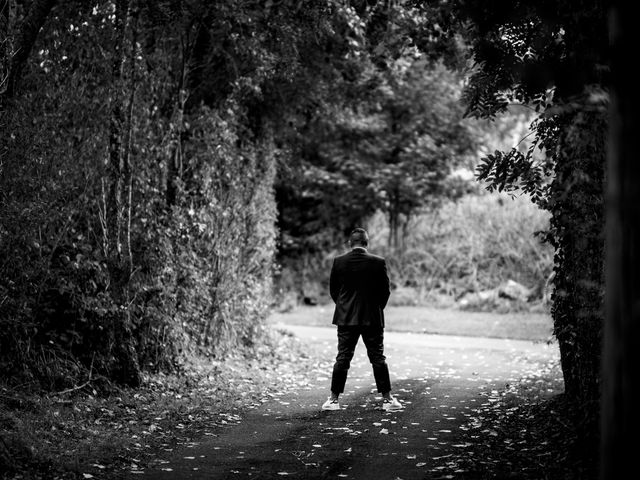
point(535, 327)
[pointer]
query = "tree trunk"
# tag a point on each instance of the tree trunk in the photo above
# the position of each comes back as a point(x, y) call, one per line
point(124, 368)
point(188, 100)
point(394, 218)
point(393, 228)
point(174, 160)
point(621, 357)
point(128, 139)
point(406, 220)
point(114, 216)
point(578, 192)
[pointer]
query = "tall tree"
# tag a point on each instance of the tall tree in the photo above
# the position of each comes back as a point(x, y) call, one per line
point(392, 136)
point(554, 57)
point(148, 103)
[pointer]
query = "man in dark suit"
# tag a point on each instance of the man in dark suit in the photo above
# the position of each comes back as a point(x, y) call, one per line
point(359, 286)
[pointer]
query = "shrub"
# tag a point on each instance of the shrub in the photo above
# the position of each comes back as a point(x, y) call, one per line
point(472, 244)
point(201, 270)
point(475, 244)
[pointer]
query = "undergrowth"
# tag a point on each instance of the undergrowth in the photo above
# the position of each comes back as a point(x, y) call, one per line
point(67, 434)
point(474, 244)
point(528, 431)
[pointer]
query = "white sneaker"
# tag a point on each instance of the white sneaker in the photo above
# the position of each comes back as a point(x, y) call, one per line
point(331, 404)
point(391, 405)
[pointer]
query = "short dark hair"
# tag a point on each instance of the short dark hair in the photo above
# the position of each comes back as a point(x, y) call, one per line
point(359, 236)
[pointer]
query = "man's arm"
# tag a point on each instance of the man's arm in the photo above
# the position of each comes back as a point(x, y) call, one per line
point(384, 286)
point(334, 283)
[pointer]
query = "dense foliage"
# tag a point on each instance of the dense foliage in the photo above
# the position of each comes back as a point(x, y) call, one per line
point(151, 146)
point(159, 155)
point(388, 141)
point(553, 56)
point(158, 159)
point(137, 217)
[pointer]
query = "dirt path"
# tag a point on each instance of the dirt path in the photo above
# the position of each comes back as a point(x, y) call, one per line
point(439, 379)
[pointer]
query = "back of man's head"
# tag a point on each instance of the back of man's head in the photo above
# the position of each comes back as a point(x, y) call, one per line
point(359, 238)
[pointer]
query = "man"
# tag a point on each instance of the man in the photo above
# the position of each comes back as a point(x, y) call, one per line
point(359, 286)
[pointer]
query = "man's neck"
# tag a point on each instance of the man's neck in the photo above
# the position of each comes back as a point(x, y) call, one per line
point(364, 249)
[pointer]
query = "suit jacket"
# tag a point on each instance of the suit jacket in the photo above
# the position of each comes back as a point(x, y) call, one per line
point(359, 286)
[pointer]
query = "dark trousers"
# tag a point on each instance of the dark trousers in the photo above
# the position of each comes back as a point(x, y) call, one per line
point(373, 338)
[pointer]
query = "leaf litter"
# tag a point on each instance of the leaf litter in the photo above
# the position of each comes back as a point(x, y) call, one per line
point(93, 434)
point(521, 427)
